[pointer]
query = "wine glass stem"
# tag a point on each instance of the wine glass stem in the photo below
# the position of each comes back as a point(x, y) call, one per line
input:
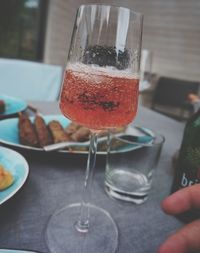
point(109, 138)
point(82, 225)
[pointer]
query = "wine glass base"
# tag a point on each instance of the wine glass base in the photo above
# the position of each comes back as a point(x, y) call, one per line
point(62, 236)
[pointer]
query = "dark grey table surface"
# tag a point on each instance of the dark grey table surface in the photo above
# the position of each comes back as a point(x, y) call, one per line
point(56, 180)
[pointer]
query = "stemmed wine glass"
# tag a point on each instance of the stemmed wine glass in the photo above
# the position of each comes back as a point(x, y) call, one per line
point(100, 91)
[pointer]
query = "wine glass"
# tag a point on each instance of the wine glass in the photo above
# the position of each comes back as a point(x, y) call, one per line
point(100, 91)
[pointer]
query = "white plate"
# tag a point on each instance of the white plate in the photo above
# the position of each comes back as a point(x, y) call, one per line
point(18, 167)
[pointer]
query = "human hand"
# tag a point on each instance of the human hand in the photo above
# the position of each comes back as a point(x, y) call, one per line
point(187, 239)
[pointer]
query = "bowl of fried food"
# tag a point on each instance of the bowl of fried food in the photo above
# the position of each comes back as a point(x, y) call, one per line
point(41, 132)
point(38, 132)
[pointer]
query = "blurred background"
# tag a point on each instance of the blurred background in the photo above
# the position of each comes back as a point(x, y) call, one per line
point(40, 30)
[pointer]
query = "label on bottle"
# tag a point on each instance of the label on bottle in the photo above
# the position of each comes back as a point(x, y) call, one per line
point(187, 174)
point(187, 180)
point(188, 168)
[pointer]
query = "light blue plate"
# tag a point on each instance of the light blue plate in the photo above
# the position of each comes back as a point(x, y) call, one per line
point(16, 251)
point(9, 135)
point(13, 105)
point(18, 167)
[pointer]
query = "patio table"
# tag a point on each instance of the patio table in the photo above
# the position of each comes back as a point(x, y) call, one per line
point(56, 180)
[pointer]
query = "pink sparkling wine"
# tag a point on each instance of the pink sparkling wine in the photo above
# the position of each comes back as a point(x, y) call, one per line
point(99, 99)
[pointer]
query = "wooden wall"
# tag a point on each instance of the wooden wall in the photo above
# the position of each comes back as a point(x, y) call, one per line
point(171, 32)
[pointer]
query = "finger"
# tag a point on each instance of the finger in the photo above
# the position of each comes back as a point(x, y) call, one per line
point(182, 200)
point(185, 240)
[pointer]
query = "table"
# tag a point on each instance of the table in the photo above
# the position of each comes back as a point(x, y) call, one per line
point(56, 180)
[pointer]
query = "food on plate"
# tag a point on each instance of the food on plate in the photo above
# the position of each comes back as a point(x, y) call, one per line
point(58, 132)
point(43, 134)
point(77, 132)
point(116, 144)
point(82, 134)
point(114, 131)
point(40, 134)
point(27, 133)
point(72, 128)
point(6, 178)
point(2, 106)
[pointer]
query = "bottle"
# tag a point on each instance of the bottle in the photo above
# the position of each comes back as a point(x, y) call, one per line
point(187, 169)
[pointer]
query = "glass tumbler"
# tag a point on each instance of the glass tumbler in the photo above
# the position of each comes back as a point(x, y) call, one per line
point(130, 169)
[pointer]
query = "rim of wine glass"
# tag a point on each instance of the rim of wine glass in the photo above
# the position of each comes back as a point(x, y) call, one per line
point(139, 14)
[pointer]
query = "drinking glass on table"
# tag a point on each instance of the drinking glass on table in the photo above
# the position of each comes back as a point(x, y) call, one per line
point(100, 91)
point(129, 173)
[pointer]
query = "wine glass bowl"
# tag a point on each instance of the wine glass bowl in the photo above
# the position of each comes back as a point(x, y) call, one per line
point(99, 98)
point(100, 91)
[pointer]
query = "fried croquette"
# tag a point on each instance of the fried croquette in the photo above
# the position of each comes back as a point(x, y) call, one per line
point(57, 131)
point(42, 131)
point(27, 133)
point(82, 134)
point(72, 128)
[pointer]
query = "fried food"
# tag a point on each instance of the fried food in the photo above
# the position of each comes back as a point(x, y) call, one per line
point(27, 133)
point(82, 134)
point(115, 144)
point(2, 106)
point(43, 134)
point(6, 178)
point(39, 134)
point(113, 131)
point(57, 131)
point(103, 133)
point(72, 128)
